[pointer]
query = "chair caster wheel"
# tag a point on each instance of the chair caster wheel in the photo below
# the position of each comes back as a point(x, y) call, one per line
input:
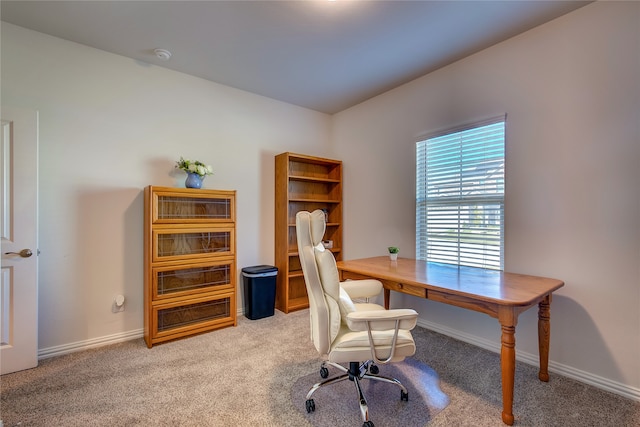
point(311, 406)
point(324, 372)
point(374, 370)
point(404, 396)
point(367, 424)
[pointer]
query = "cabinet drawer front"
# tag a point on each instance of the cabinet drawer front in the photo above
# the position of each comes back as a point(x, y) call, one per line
point(186, 317)
point(189, 279)
point(192, 206)
point(195, 243)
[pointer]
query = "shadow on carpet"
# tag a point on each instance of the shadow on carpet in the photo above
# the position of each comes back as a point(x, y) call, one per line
point(337, 404)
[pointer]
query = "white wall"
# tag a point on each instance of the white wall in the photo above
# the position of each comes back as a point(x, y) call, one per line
point(109, 126)
point(570, 89)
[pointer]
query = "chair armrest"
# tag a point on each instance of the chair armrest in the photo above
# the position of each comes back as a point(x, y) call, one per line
point(365, 288)
point(382, 320)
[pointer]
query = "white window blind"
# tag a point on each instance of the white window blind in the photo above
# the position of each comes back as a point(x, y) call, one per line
point(460, 196)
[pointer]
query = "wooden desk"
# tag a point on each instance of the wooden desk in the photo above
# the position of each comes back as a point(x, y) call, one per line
point(496, 293)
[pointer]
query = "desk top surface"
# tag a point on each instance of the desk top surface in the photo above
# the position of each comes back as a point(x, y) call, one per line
point(481, 284)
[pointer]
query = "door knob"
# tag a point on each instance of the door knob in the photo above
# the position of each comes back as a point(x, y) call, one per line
point(25, 253)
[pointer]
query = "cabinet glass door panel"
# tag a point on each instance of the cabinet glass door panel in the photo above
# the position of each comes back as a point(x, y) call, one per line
point(185, 244)
point(185, 208)
point(172, 318)
point(171, 282)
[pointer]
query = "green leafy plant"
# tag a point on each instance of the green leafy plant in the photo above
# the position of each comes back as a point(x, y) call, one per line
point(194, 166)
point(393, 250)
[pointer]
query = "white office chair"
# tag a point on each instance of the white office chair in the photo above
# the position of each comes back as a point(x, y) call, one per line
point(360, 334)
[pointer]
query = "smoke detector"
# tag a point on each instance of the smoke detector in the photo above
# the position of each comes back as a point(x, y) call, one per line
point(162, 54)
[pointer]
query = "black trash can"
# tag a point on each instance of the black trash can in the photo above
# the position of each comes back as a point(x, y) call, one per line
point(259, 291)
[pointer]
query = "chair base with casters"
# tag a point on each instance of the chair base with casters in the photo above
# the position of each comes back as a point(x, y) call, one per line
point(356, 372)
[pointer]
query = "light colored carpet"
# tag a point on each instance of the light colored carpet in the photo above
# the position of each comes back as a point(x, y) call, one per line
point(243, 376)
point(337, 404)
point(230, 377)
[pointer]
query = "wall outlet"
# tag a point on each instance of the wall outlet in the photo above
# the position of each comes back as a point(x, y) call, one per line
point(118, 304)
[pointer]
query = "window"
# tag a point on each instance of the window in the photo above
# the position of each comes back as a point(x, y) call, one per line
point(460, 196)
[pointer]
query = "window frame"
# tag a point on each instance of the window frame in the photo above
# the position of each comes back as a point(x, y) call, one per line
point(460, 190)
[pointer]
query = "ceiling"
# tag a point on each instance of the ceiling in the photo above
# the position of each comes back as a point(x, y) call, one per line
point(319, 54)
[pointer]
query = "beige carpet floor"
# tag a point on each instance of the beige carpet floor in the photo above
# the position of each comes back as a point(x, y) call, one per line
point(244, 376)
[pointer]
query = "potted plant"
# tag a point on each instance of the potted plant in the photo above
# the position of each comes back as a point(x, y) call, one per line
point(196, 171)
point(393, 253)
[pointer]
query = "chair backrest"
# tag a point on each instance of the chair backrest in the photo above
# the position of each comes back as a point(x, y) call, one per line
point(321, 279)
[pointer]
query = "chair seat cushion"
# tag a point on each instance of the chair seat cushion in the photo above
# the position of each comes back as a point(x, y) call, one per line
point(350, 346)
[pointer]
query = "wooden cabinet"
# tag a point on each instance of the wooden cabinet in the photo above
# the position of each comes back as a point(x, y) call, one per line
point(189, 262)
point(303, 183)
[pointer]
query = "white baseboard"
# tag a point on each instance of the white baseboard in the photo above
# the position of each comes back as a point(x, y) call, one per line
point(59, 350)
point(532, 359)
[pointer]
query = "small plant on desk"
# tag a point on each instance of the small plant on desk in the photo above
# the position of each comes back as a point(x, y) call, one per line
point(393, 253)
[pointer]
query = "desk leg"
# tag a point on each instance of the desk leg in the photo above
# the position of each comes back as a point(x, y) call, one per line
point(544, 328)
point(387, 296)
point(508, 319)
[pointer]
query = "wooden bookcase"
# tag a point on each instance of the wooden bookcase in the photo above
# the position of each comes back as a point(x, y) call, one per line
point(189, 262)
point(303, 183)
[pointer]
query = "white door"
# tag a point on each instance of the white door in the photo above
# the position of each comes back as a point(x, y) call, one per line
point(18, 232)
